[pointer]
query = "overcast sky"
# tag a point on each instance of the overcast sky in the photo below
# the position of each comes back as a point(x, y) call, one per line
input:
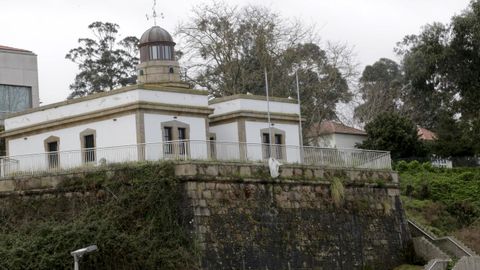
point(50, 28)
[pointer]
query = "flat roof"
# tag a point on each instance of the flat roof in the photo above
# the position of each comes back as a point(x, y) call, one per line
point(12, 49)
point(255, 97)
point(153, 87)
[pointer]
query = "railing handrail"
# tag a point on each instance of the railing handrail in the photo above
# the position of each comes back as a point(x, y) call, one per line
point(209, 141)
point(435, 261)
point(33, 163)
point(434, 238)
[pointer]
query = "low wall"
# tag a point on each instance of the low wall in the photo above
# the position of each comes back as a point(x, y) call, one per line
point(428, 251)
point(468, 263)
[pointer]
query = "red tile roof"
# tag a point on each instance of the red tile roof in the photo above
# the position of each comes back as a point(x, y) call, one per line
point(12, 49)
point(330, 127)
point(425, 134)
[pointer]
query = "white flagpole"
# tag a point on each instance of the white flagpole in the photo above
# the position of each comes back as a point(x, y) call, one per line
point(299, 118)
point(268, 115)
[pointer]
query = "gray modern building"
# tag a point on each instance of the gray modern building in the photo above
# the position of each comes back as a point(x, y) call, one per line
point(18, 80)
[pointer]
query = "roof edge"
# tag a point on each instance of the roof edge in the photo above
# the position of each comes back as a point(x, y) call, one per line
point(254, 97)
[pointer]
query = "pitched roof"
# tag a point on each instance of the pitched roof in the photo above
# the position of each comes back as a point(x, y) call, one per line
point(425, 134)
point(6, 48)
point(330, 127)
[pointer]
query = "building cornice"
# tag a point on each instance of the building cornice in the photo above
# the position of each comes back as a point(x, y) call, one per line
point(167, 87)
point(106, 113)
point(254, 97)
point(254, 115)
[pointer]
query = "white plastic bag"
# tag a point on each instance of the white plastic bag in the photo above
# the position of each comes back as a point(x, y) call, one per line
point(274, 166)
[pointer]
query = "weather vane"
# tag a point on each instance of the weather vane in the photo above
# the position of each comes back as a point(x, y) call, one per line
point(154, 13)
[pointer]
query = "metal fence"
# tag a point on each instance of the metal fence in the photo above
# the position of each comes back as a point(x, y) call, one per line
point(193, 150)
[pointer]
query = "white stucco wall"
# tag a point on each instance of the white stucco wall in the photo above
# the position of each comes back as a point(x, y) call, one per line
point(339, 140)
point(154, 138)
point(292, 140)
point(107, 132)
point(103, 103)
point(348, 140)
point(107, 135)
point(226, 146)
point(226, 132)
point(254, 105)
point(327, 141)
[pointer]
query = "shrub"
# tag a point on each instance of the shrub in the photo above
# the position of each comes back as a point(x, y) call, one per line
point(337, 191)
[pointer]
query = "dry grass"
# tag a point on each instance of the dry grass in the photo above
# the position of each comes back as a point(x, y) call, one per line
point(470, 236)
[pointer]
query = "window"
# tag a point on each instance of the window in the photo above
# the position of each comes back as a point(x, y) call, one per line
point(52, 154)
point(175, 139)
point(14, 98)
point(266, 145)
point(88, 142)
point(154, 53)
point(182, 135)
point(89, 148)
point(167, 138)
point(52, 148)
point(277, 148)
point(161, 52)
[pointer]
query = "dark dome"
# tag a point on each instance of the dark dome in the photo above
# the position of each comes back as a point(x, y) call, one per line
point(156, 34)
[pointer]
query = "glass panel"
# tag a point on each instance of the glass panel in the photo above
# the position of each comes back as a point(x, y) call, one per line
point(266, 145)
point(154, 52)
point(167, 136)
point(167, 53)
point(89, 148)
point(15, 98)
point(278, 147)
point(278, 139)
point(182, 136)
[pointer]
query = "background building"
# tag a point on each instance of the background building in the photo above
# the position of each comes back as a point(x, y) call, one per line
point(335, 135)
point(18, 80)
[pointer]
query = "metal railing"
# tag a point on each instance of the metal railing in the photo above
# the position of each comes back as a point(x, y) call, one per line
point(31, 164)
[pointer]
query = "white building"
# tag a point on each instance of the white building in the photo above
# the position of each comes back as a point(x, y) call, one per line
point(330, 134)
point(244, 119)
point(18, 80)
point(160, 117)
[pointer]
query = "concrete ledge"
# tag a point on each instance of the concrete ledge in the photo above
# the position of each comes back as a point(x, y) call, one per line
point(225, 171)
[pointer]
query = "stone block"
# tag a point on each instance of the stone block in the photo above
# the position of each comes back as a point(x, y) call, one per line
point(185, 170)
point(7, 185)
point(210, 185)
point(202, 203)
point(286, 172)
point(211, 170)
point(191, 186)
point(245, 171)
point(318, 173)
point(207, 194)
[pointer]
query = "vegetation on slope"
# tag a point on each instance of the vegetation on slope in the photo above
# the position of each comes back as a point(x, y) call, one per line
point(446, 201)
point(131, 213)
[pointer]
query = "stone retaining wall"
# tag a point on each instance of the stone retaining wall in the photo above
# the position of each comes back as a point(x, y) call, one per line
point(243, 219)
